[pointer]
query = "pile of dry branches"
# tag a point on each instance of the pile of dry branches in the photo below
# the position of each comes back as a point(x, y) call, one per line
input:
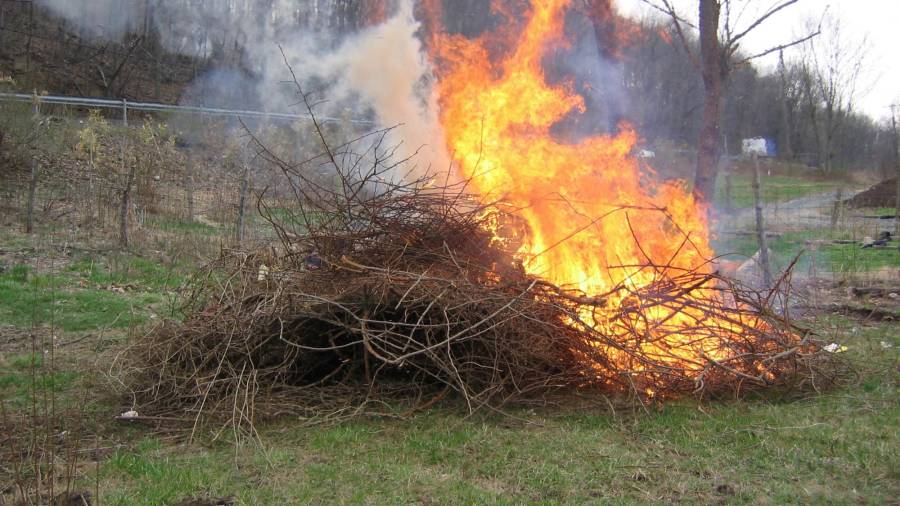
point(387, 284)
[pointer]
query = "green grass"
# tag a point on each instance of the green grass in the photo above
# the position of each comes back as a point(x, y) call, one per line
point(10, 240)
point(774, 189)
point(838, 258)
point(122, 269)
point(836, 448)
point(77, 300)
point(850, 258)
point(25, 378)
point(27, 299)
point(876, 211)
point(839, 447)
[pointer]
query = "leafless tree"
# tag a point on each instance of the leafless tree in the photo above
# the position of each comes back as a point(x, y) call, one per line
point(787, 146)
point(831, 69)
point(895, 141)
point(720, 41)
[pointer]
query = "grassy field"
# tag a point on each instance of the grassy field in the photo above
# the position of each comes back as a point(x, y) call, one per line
point(849, 258)
point(830, 243)
point(775, 188)
point(86, 294)
point(840, 446)
point(836, 448)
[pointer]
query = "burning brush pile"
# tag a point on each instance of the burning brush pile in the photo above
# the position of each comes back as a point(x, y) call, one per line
point(381, 290)
point(552, 266)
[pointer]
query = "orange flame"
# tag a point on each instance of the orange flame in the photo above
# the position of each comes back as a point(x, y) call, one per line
point(594, 221)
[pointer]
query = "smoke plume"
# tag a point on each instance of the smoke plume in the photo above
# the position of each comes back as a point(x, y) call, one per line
point(378, 71)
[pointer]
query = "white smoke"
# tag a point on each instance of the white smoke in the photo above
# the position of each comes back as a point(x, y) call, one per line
point(380, 70)
point(384, 67)
point(104, 18)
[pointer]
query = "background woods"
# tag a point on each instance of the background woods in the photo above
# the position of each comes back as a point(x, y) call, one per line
point(649, 78)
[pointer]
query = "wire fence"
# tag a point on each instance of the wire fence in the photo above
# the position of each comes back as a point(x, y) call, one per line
point(839, 235)
point(124, 106)
point(183, 180)
point(193, 189)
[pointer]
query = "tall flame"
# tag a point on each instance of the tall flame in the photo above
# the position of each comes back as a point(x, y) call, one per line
point(594, 222)
point(589, 211)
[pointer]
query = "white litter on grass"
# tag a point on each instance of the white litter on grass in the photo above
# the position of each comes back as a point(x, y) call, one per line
point(129, 414)
point(834, 348)
point(263, 272)
point(886, 345)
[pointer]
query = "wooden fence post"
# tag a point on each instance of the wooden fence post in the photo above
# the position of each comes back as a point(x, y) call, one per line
point(838, 208)
point(32, 185)
point(123, 209)
point(32, 188)
point(242, 203)
point(189, 185)
point(129, 181)
point(761, 227)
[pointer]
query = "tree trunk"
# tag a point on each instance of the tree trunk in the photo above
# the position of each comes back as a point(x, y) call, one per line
point(812, 107)
point(827, 139)
point(897, 207)
point(30, 36)
point(896, 143)
point(712, 69)
point(787, 150)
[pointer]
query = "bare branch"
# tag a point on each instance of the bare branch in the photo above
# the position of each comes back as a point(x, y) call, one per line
point(669, 11)
point(759, 21)
point(677, 20)
point(779, 48)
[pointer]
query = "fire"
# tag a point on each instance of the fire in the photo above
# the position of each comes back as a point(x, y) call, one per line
point(596, 225)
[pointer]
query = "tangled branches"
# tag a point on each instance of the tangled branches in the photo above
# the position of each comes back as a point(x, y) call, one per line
point(389, 284)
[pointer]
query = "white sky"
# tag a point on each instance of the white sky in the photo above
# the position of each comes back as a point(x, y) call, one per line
point(876, 20)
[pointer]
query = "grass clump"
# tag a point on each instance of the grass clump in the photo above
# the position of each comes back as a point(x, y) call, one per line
point(28, 299)
point(24, 378)
point(122, 269)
